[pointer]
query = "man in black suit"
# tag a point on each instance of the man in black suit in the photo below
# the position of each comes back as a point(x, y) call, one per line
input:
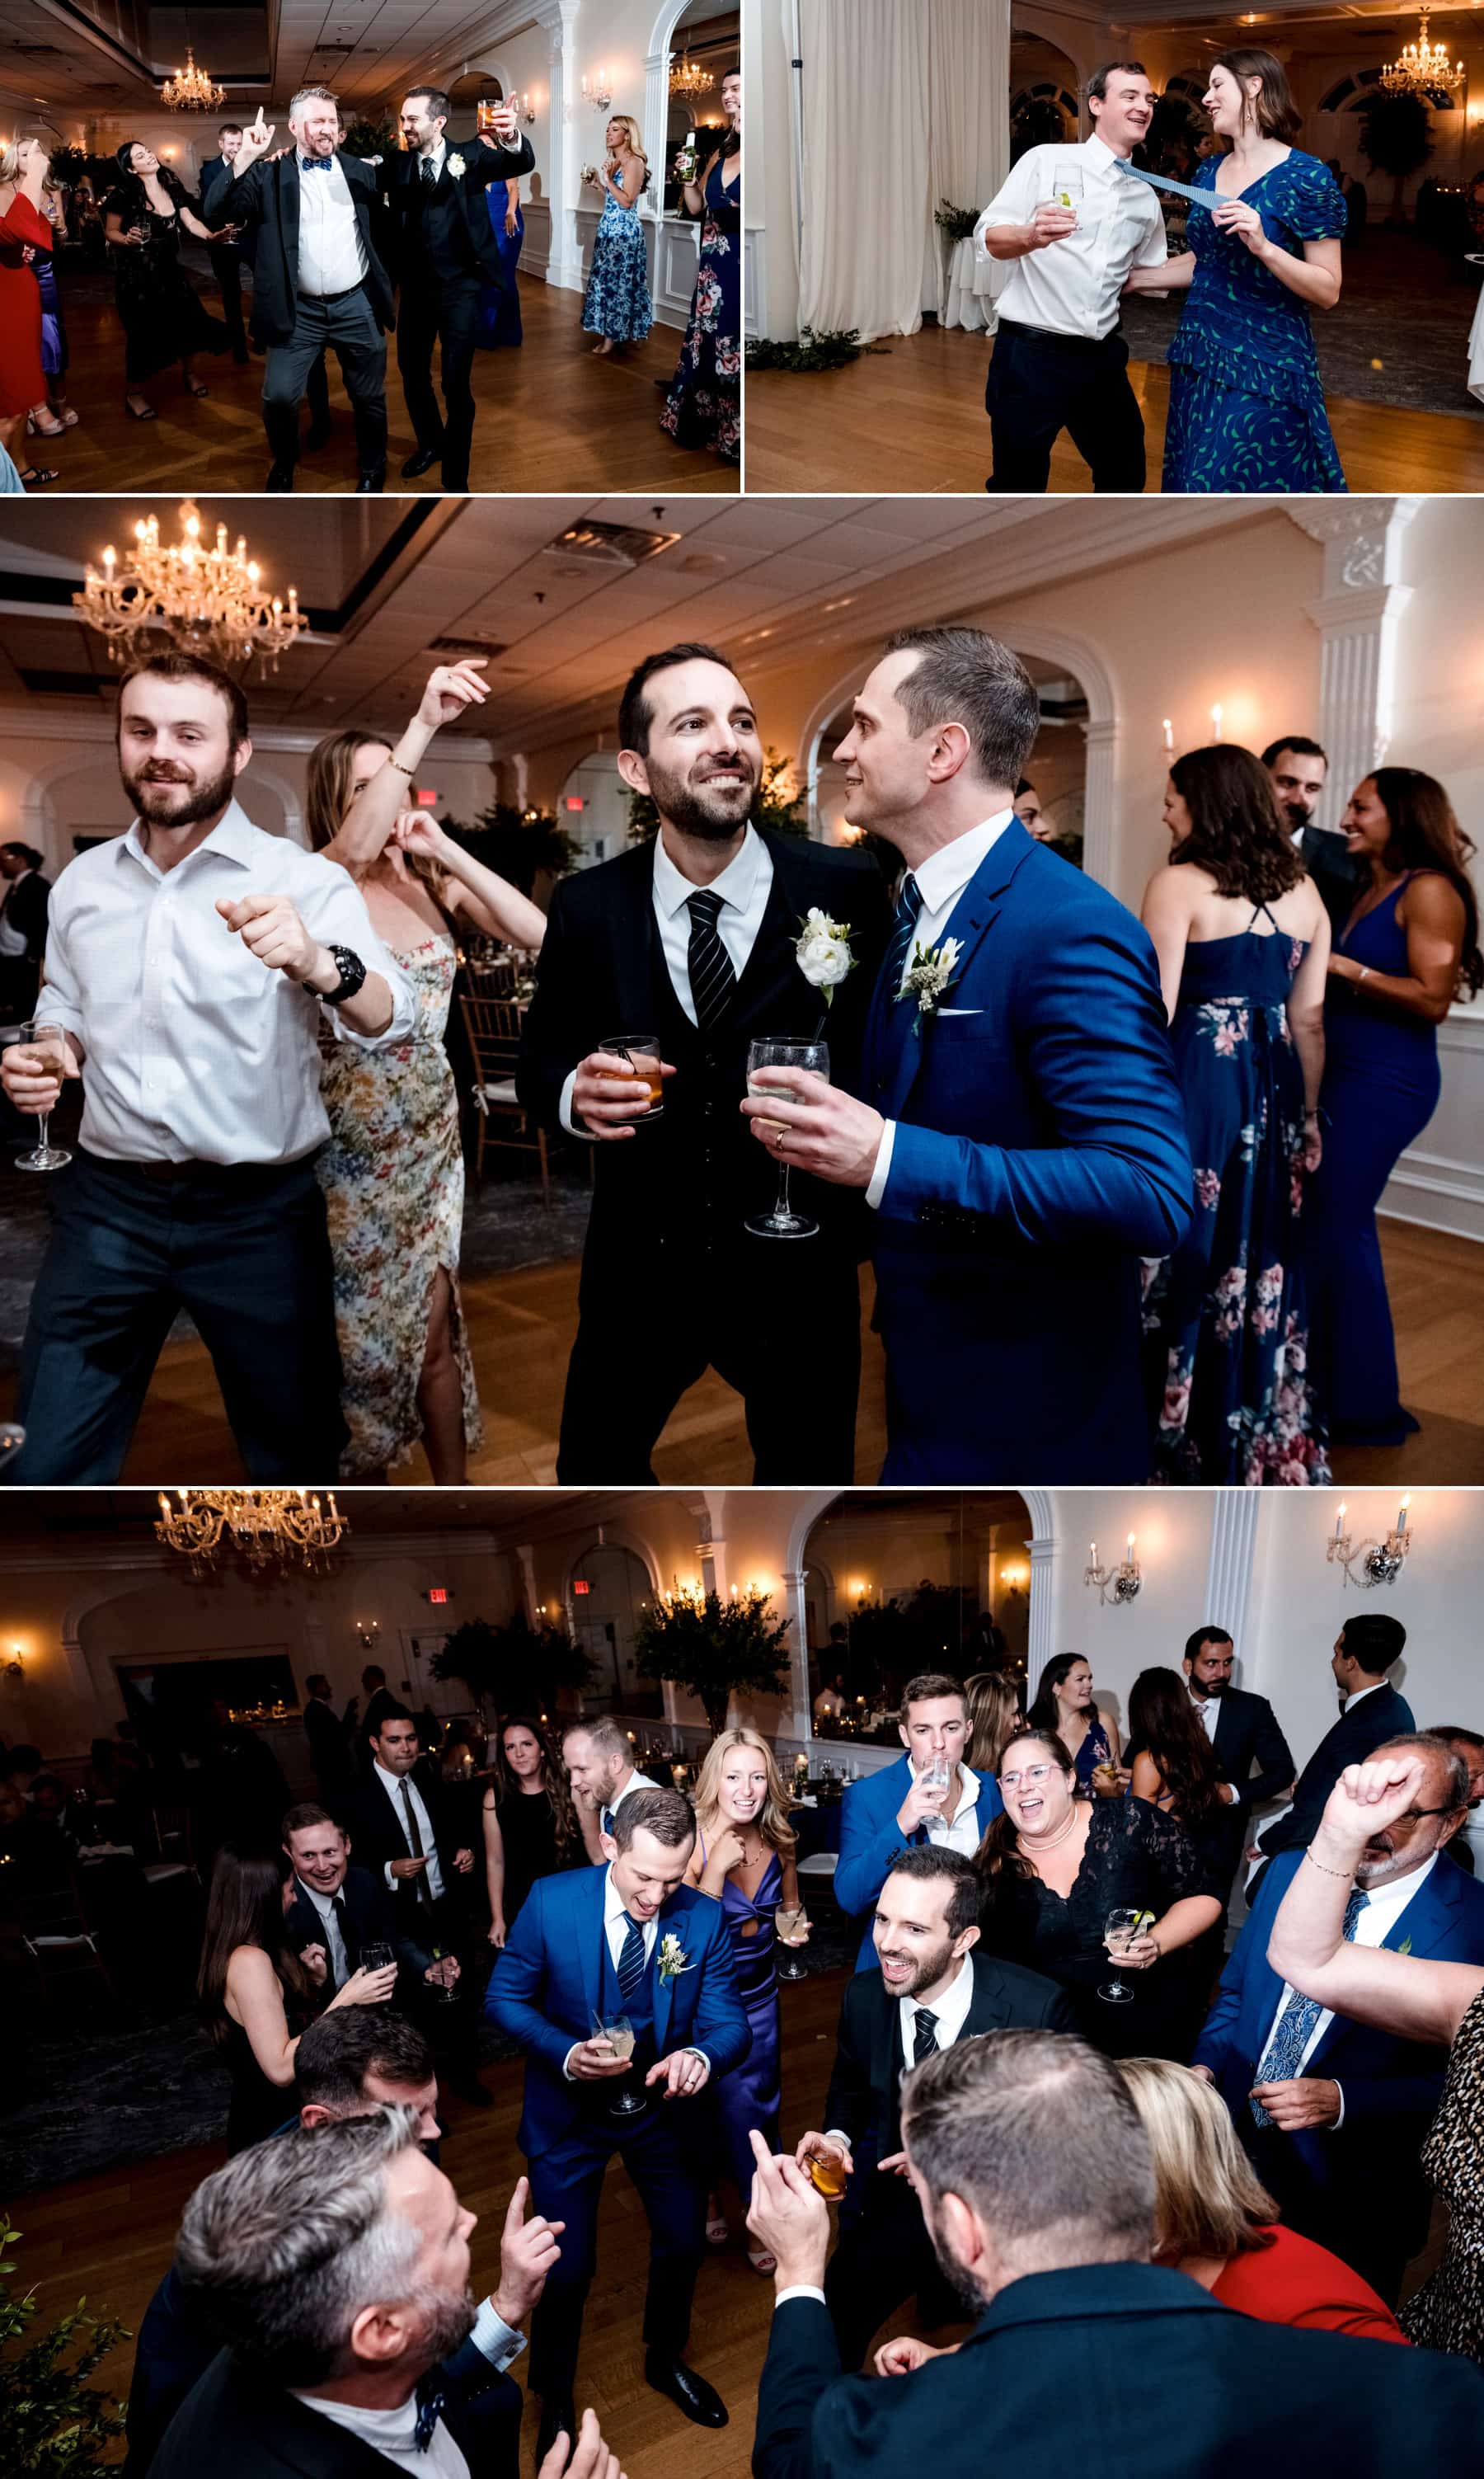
point(931, 1990)
point(339, 1909)
point(334, 2265)
point(1038, 2186)
point(447, 254)
point(329, 1740)
point(1299, 768)
point(24, 896)
point(403, 1824)
point(1372, 1712)
point(1243, 1732)
point(227, 256)
point(696, 940)
point(317, 277)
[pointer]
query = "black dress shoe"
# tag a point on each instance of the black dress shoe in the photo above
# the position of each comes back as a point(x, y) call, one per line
point(316, 434)
point(687, 2390)
point(557, 2413)
point(280, 478)
point(373, 481)
point(420, 463)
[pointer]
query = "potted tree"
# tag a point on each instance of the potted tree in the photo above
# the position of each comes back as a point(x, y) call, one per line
point(714, 1649)
point(1396, 136)
point(513, 1665)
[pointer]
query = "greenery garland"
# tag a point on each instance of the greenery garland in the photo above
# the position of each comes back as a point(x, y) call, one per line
point(830, 350)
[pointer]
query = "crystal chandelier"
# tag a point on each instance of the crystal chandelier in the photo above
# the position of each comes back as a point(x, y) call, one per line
point(264, 1527)
point(688, 80)
point(208, 600)
point(191, 90)
point(1423, 68)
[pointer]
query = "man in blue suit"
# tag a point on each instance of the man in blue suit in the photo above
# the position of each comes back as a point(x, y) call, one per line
point(901, 1806)
point(1019, 1132)
point(629, 1939)
point(1333, 2113)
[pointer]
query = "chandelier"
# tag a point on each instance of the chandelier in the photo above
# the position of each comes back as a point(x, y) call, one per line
point(688, 80)
point(208, 600)
point(1421, 67)
point(191, 90)
point(264, 1527)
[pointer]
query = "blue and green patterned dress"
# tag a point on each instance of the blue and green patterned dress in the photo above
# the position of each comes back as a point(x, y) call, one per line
point(1247, 411)
point(619, 305)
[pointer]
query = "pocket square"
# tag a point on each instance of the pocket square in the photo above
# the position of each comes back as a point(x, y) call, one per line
point(948, 1011)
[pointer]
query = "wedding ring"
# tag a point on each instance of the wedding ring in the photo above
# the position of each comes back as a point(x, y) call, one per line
point(778, 1139)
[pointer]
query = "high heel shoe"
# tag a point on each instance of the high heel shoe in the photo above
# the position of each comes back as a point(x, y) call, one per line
point(141, 411)
point(44, 429)
point(35, 477)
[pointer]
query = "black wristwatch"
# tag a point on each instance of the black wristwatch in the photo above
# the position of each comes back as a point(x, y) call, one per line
point(352, 974)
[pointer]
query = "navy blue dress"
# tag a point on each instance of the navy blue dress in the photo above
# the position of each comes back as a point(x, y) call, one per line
point(500, 304)
point(1226, 1320)
point(1247, 411)
point(1381, 1084)
point(703, 408)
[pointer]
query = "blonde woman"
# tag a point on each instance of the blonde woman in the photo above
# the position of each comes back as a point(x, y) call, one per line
point(392, 1171)
point(618, 308)
point(995, 1714)
point(744, 1859)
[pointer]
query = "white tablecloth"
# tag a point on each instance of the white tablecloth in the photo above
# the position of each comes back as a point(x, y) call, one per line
point(963, 306)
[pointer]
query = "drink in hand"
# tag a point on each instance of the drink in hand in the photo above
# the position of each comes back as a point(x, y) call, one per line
point(642, 1051)
point(47, 1044)
point(619, 2037)
point(827, 2174)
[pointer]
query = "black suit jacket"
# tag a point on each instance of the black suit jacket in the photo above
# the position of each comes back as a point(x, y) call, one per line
point(864, 2094)
point(376, 1837)
point(1360, 1730)
point(1217, 2396)
point(1335, 873)
point(234, 2425)
point(373, 1918)
point(602, 971)
point(1247, 1733)
point(457, 237)
point(328, 1748)
point(26, 900)
point(266, 201)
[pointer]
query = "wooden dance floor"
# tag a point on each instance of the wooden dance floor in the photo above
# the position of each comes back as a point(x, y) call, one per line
point(915, 418)
point(110, 2238)
point(521, 1328)
point(549, 417)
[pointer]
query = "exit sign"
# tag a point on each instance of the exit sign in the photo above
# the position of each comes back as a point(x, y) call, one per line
point(438, 1593)
point(579, 1587)
point(426, 800)
point(574, 801)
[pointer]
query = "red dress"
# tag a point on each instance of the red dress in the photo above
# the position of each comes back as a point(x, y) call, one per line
point(1294, 2282)
point(23, 381)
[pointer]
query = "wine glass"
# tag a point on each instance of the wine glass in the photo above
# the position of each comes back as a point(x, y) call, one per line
point(790, 1925)
point(376, 1957)
point(781, 1052)
point(49, 1043)
point(616, 2031)
point(1119, 1931)
point(442, 1993)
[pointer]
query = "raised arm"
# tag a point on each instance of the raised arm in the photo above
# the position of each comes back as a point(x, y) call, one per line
point(476, 893)
point(1402, 1993)
point(367, 826)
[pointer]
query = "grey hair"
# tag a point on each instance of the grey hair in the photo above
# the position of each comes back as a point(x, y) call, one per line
point(1039, 2135)
point(608, 1736)
point(1428, 1743)
point(284, 2247)
point(312, 95)
point(967, 676)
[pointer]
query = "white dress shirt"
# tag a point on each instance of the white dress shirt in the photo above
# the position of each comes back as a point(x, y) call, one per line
point(1360, 1695)
point(391, 1784)
point(1205, 1712)
point(394, 2433)
point(616, 1929)
point(636, 1781)
point(335, 1943)
point(1074, 287)
point(941, 881)
point(194, 1051)
point(11, 941)
point(949, 2012)
point(964, 1833)
point(332, 254)
point(743, 886)
point(1383, 1909)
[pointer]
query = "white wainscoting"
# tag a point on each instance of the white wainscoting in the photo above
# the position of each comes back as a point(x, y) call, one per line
point(674, 254)
point(535, 248)
point(1438, 1182)
point(754, 281)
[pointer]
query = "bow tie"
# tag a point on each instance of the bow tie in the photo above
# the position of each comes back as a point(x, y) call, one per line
point(317, 162)
point(429, 2412)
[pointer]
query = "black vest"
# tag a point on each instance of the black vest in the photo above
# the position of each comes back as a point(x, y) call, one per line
point(436, 230)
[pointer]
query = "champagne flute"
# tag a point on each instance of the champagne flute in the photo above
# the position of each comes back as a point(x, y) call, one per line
point(781, 1051)
point(1119, 1931)
point(49, 1041)
point(617, 2033)
point(790, 1925)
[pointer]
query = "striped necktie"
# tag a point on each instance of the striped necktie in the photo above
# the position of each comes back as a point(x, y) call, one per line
point(909, 904)
point(926, 2044)
point(631, 1963)
point(1282, 2058)
point(713, 982)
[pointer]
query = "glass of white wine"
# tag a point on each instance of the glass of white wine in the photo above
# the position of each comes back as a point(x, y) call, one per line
point(1120, 1929)
point(793, 1927)
point(783, 1223)
point(48, 1045)
point(617, 2033)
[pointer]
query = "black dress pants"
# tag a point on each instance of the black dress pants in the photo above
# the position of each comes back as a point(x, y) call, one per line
point(227, 267)
point(347, 321)
point(1040, 385)
point(439, 310)
point(884, 2258)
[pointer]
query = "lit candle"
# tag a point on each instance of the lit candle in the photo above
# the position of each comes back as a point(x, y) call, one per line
point(164, 1505)
point(1130, 1548)
point(1095, 1553)
point(1340, 1521)
point(1169, 734)
point(1216, 723)
point(107, 561)
point(1402, 1519)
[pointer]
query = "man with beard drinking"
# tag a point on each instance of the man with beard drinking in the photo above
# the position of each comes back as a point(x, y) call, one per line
point(694, 940)
point(931, 1990)
point(190, 963)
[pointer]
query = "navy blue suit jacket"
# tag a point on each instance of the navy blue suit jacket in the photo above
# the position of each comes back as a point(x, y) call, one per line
point(870, 1837)
point(1360, 1730)
point(1392, 2087)
point(1039, 1152)
point(235, 2426)
point(546, 1986)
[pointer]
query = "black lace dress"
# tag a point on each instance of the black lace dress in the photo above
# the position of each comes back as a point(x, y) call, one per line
point(165, 319)
point(1135, 1859)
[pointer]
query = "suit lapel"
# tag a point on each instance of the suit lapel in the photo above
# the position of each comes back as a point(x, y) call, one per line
point(671, 1924)
point(632, 939)
point(903, 1051)
point(989, 2007)
point(290, 178)
point(768, 969)
point(1418, 1928)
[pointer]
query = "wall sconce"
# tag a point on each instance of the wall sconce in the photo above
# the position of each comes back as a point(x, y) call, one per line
point(1380, 1562)
point(1121, 1581)
point(13, 1667)
point(527, 111)
point(1168, 730)
point(1216, 723)
point(598, 91)
point(368, 1629)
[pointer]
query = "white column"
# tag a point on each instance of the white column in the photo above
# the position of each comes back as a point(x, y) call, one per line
point(1098, 824)
point(564, 149)
point(1229, 1574)
point(656, 130)
point(1358, 618)
point(798, 1654)
point(1039, 1640)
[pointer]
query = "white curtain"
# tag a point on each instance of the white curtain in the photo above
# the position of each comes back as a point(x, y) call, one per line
point(905, 102)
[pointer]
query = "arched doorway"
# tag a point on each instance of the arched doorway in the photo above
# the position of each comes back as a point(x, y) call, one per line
point(607, 1593)
point(592, 809)
point(704, 43)
point(1043, 103)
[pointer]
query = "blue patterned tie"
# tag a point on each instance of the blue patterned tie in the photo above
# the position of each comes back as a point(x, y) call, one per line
point(631, 1963)
point(909, 904)
point(430, 2412)
point(317, 162)
point(1287, 2041)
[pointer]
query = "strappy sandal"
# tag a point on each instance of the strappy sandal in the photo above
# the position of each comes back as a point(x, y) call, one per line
point(44, 429)
point(35, 477)
point(194, 387)
point(718, 2234)
point(764, 2263)
point(141, 411)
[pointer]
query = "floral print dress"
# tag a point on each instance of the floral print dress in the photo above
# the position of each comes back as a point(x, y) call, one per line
point(393, 1174)
point(619, 305)
point(703, 408)
point(1225, 1322)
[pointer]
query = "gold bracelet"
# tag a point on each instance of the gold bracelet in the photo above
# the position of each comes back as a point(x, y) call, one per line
point(1343, 1873)
point(408, 771)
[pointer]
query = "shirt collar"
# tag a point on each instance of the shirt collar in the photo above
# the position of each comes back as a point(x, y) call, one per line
point(323, 1902)
point(952, 2007)
point(234, 837)
point(1100, 155)
point(735, 885)
point(394, 1781)
point(1361, 1692)
point(613, 1901)
point(1392, 1900)
point(946, 871)
point(436, 158)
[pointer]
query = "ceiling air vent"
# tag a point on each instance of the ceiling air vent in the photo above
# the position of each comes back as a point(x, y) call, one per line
point(59, 684)
point(458, 649)
point(591, 544)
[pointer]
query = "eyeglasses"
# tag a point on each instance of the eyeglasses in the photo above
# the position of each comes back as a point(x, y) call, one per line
point(1415, 1815)
point(1032, 1778)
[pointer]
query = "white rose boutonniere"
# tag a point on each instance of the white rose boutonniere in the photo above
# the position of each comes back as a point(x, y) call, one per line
point(823, 950)
point(456, 167)
point(931, 978)
point(672, 1959)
